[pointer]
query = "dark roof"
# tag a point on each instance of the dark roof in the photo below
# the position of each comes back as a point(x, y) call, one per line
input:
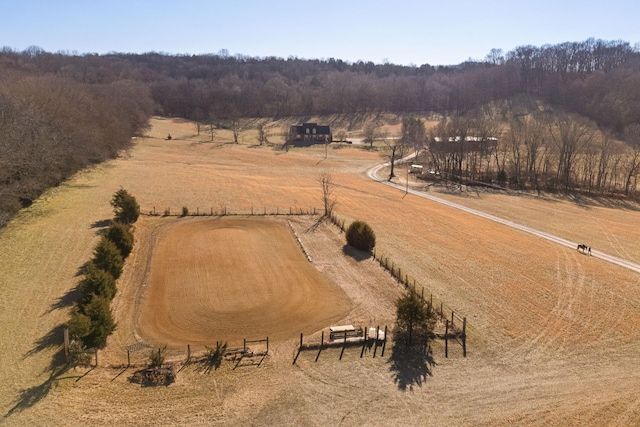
point(320, 130)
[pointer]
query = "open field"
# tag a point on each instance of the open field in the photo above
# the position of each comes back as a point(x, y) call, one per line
point(554, 335)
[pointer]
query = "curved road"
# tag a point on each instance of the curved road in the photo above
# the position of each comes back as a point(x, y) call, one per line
point(373, 174)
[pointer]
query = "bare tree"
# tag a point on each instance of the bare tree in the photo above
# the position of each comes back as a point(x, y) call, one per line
point(393, 148)
point(371, 131)
point(325, 179)
point(632, 136)
point(570, 137)
point(414, 133)
point(262, 136)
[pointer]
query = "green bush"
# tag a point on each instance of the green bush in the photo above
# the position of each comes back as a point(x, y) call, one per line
point(361, 236)
point(79, 326)
point(156, 357)
point(102, 323)
point(125, 207)
point(107, 257)
point(121, 235)
point(95, 282)
point(415, 320)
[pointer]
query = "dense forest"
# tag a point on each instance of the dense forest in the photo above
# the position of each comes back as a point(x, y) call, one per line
point(60, 112)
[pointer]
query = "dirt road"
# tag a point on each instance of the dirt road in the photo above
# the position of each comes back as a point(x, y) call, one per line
point(373, 174)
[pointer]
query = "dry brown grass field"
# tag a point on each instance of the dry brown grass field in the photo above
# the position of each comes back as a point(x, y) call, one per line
point(553, 334)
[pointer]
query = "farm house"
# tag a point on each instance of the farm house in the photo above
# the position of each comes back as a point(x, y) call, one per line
point(309, 133)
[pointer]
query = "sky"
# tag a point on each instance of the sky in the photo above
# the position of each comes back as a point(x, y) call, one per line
point(411, 32)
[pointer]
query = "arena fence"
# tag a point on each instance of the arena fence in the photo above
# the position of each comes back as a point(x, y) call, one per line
point(226, 211)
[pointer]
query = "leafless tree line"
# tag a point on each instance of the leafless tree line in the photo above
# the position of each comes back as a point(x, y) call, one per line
point(51, 127)
point(596, 78)
point(536, 151)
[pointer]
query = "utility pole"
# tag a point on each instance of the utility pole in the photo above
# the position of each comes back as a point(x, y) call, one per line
point(406, 190)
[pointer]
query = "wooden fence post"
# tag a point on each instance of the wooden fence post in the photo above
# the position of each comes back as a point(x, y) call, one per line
point(375, 343)
point(320, 350)
point(344, 344)
point(189, 352)
point(65, 334)
point(364, 344)
point(384, 342)
point(464, 337)
point(96, 353)
point(128, 358)
point(446, 339)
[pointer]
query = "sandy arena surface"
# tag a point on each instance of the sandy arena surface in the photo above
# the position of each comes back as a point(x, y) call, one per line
point(226, 279)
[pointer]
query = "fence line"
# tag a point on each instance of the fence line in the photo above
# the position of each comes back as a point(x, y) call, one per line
point(453, 331)
point(225, 211)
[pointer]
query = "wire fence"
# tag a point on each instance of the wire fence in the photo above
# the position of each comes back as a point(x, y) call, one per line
point(226, 211)
point(455, 326)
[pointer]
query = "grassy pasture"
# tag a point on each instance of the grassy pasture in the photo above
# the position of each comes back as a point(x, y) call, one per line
point(554, 335)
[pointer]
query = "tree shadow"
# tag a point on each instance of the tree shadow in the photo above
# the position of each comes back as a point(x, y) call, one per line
point(356, 254)
point(29, 397)
point(410, 365)
point(209, 364)
point(316, 224)
point(101, 224)
point(52, 339)
point(66, 300)
point(82, 269)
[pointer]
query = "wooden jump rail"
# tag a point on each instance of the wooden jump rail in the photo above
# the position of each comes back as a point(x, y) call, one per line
point(345, 338)
point(246, 349)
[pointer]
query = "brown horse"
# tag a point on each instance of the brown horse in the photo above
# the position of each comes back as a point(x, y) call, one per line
point(582, 248)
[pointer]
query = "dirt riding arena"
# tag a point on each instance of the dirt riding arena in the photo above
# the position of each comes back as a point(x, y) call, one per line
point(226, 279)
point(553, 334)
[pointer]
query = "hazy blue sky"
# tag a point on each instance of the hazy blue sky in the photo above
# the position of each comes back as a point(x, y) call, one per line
point(403, 32)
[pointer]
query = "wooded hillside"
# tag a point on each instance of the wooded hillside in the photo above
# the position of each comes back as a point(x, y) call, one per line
point(61, 111)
